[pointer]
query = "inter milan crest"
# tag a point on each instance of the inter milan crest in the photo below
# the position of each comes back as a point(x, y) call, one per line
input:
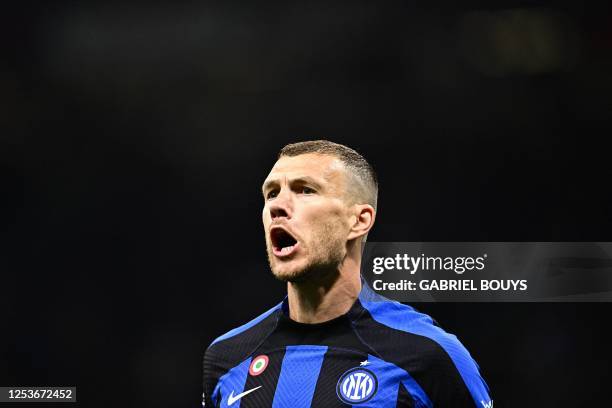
point(357, 385)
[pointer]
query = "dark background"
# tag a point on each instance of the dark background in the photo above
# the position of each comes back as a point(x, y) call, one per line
point(135, 137)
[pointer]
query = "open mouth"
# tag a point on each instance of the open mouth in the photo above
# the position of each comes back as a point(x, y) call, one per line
point(283, 243)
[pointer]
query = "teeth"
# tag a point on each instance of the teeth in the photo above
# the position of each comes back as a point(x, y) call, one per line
point(285, 250)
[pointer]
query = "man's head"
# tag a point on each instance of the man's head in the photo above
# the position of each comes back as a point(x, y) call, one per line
point(320, 200)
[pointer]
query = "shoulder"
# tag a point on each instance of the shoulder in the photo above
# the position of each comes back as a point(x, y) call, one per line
point(230, 349)
point(240, 340)
point(405, 319)
point(415, 341)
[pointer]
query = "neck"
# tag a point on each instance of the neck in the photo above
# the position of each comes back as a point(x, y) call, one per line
point(327, 297)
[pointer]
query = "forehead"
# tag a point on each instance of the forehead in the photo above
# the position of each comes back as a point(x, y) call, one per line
point(319, 166)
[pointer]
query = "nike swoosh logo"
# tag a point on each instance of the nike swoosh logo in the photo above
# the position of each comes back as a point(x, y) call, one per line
point(231, 399)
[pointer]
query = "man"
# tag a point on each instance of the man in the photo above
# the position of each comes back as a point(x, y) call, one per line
point(333, 342)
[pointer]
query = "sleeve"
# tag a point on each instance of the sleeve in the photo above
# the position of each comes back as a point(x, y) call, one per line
point(211, 377)
point(456, 382)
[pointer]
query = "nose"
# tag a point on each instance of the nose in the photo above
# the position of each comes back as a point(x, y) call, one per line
point(281, 206)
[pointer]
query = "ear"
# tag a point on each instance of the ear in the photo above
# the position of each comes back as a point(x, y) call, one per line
point(363, 220)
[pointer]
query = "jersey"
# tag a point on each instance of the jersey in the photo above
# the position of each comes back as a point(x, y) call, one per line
point(380, 354)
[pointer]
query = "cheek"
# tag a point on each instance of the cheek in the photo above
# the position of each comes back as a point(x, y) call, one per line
point(341, 215)
point(331, 219)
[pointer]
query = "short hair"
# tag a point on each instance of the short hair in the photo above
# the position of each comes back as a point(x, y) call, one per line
point(364, 176)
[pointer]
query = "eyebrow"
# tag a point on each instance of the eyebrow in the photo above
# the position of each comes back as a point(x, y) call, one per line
point(299, 180)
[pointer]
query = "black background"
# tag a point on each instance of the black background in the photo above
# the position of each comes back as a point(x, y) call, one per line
point(135, 137)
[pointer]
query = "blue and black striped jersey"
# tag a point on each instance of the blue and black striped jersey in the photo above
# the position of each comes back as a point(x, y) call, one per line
point(380, 354)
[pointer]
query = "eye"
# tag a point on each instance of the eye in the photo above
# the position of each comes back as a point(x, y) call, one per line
point(307, 190)
point(271, 194)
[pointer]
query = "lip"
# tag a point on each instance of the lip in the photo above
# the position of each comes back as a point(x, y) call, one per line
point(279, 253)
point(283, 253)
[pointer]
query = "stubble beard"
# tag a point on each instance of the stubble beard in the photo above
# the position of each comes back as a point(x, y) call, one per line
point(326, 252)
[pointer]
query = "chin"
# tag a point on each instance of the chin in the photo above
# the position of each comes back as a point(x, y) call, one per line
point(288, 274)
